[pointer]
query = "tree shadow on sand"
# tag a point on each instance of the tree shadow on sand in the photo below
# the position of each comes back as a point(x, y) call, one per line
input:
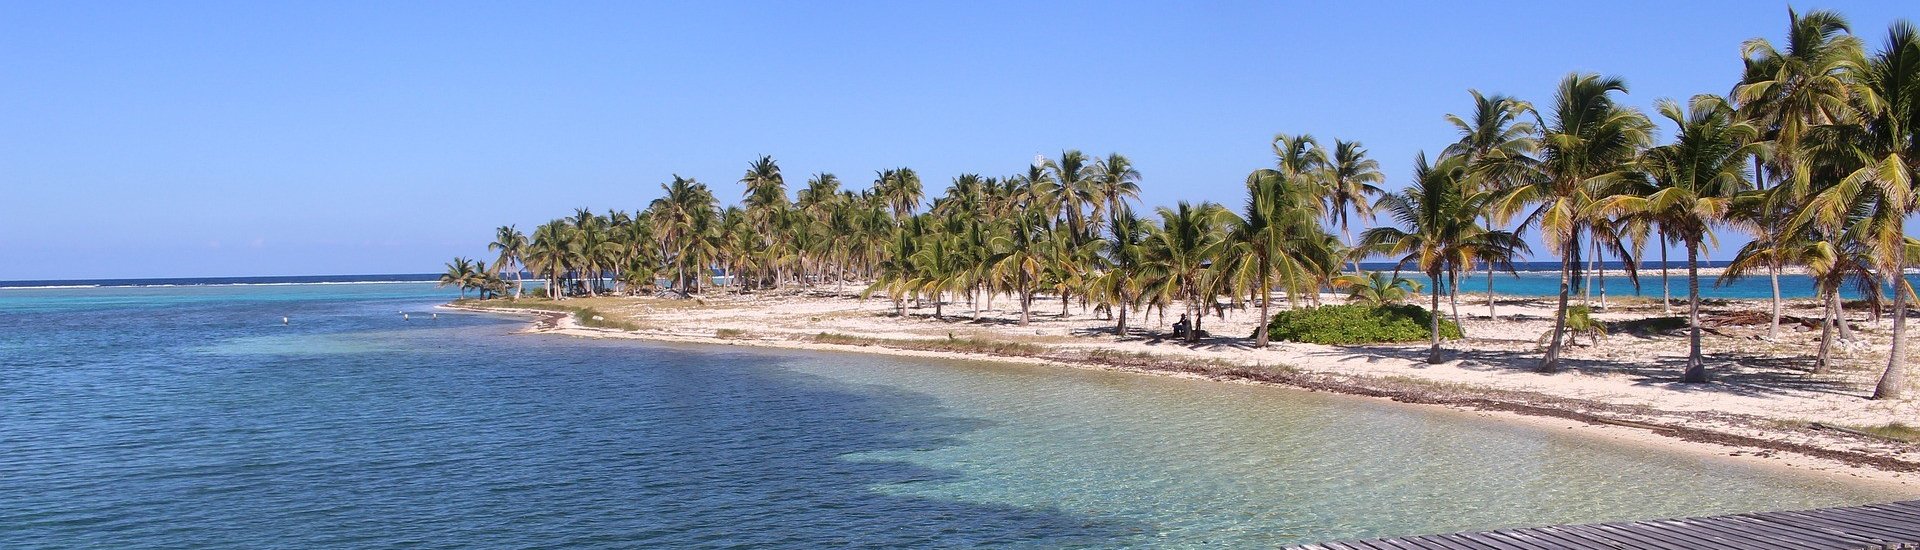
point(1746, 374)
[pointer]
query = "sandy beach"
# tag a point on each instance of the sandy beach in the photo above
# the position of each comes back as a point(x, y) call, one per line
point(1764, 406)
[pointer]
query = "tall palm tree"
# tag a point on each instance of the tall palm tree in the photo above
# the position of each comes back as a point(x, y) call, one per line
point(1439, 232)
point(1590, 141)
point(765, 199)
point(1117, 182)
point(512, 245)
point(1788, 93)
point(1877, 197)
point(460, 273)
point(1352, 181)
point(1498, 141)
point(1187, 244)
point(1271, 238)
point(1694, 182)
point(1019, 257)
point(1125, 249)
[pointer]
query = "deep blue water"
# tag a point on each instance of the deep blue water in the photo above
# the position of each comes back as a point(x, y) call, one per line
point(191, 417)
point(1531, 279)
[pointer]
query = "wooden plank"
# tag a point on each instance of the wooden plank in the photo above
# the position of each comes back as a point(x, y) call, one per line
point(1699, 533)
point(1463, 540)
point(1854, 524)
point(1726, 531)
point(1582, 532)
point(1563, 539)
point(1784, 535)
point(1627, 533)
point(1519, 538)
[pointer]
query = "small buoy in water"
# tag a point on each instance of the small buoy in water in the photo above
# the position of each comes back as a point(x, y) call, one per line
point(436, 316)
point(285, 321)
point(404, 317)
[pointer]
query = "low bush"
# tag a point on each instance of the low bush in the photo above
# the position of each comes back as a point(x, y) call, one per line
point(1357, 324)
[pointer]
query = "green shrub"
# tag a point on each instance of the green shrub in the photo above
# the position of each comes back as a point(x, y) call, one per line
point(1357, 324)
point(1649, 325)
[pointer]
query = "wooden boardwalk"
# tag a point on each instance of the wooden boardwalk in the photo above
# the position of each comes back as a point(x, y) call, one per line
point(1876, 526)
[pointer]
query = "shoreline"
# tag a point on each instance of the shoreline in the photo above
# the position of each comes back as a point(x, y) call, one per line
point(1879, 472)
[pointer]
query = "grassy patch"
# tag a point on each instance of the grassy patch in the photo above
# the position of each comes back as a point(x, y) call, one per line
point(1895, 430)
point(729, 333)
point(950, 344)
point(1357, 324)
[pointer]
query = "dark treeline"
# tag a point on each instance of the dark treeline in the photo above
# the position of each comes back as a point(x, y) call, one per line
point(1812, 154)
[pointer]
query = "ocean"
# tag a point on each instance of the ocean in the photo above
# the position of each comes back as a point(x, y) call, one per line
point(190, 416)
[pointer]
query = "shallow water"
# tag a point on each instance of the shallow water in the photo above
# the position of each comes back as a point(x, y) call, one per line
point(190, 417)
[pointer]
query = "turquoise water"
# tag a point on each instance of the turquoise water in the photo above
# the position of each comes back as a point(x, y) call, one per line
point(190, 417)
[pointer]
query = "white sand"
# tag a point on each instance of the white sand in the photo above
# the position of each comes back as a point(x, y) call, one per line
point(1761, 389)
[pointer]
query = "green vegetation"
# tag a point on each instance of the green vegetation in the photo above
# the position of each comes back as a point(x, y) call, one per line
point(1814, 154)
point(729, 334)
point(1896, 431)
point(1649, 325)
point(1358, 324)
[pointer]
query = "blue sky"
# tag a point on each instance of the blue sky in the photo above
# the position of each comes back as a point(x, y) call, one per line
point(255, 138)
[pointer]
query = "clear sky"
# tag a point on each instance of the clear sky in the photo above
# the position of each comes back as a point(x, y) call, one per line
point(157, 139)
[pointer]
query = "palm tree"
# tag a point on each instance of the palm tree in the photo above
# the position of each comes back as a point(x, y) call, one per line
point(1117, 182)
point(1497, 142)
point(765, 199)
point(461, 273)
point(1074, 181)
point(1188, 242)
point(1877, 197)
point(1374, 288)
point(1788, 94)
point(1125, 250)
point(512, 246)
point(1019, 257)
point(1694, 182)
point(682, 220)
point(1352, 181)
point(900, 189)
point(1439, 232)
point(1271, 238)
point(1590, 141)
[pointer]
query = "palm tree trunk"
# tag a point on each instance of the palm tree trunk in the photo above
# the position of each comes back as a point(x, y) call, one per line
point(1026, 300)
point(1840, 317)
point(1696, 371)
point(1551, 362)
point(1352, 263)
point(1894, 381)
point(1266, 295)
point(973, 296)
point(1586, 284)
point(1490, 312)
point(1601, 256)
point(1453, 299)
point(1773, 273)
point(1823, 360)
point(1433, 318)
point(1193, 304)
point(1121, 328)
point(1666, 291)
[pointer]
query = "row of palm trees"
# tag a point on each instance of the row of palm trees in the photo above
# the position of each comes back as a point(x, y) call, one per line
point(1813, 154)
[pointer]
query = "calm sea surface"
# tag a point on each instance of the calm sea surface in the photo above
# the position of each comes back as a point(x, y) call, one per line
point(190, 417)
